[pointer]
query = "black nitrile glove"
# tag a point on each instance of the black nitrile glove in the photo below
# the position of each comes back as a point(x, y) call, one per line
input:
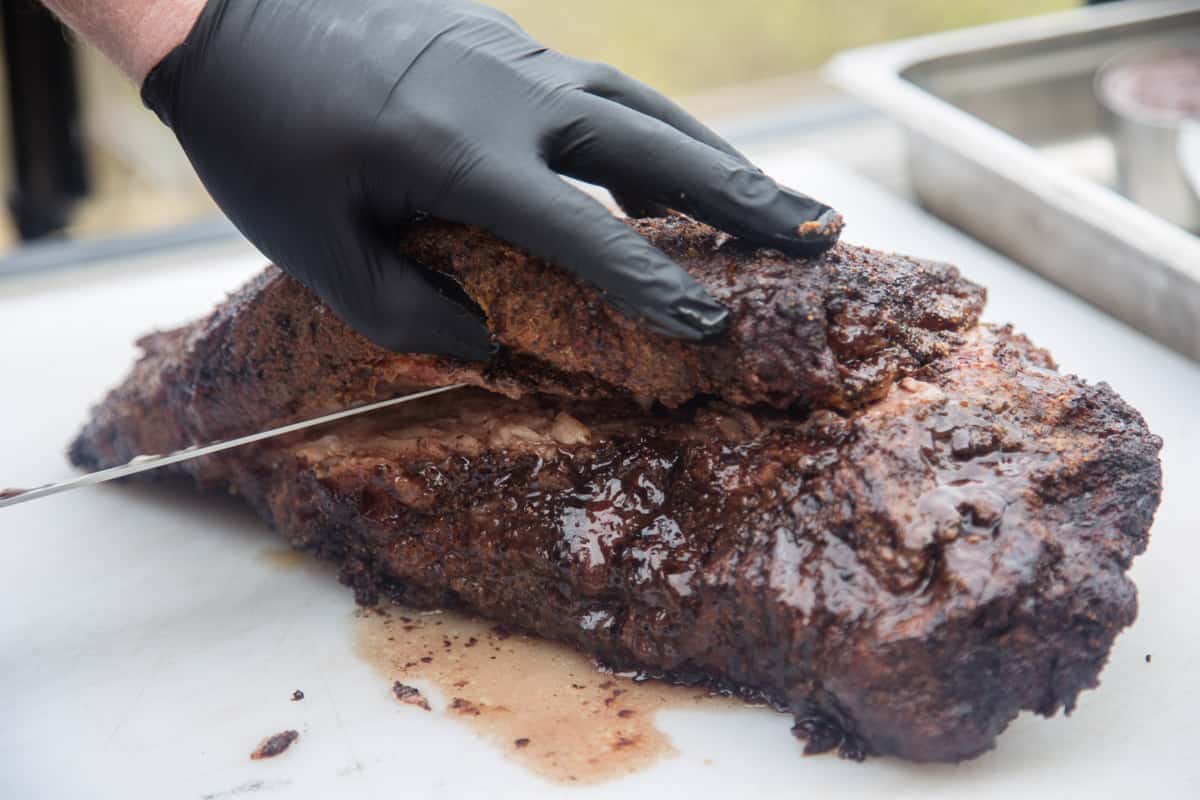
point(322, 126)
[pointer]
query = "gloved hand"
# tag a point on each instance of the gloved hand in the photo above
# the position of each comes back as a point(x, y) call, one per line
point(322, 126)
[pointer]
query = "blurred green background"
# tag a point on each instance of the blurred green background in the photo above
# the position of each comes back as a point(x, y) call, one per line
point(687, 49)
point(683, 47)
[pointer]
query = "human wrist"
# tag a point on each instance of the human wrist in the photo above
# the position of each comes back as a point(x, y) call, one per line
point(134, 34)
point(163, 27)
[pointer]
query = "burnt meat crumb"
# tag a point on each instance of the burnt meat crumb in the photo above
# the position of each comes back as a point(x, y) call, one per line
point(410, 695)
point(297, 696)
point(461, 706)
point(822, 735)
point(1147, 658)
point(274, 745)
point(521, 743)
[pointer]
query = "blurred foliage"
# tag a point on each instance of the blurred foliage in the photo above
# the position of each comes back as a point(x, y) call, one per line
point(699, 44)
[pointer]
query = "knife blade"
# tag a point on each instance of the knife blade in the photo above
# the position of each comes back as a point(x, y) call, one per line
point(146, 463)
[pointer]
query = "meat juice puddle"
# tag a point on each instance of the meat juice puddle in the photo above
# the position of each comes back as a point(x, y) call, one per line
point(544, 704)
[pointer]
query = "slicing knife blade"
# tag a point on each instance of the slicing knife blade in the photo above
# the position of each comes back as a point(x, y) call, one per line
point(146, 463)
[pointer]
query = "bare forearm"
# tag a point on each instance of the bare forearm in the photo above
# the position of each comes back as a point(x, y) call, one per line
point(135, 34)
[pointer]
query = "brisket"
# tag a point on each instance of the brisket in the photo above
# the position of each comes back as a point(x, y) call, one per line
point(904, 579)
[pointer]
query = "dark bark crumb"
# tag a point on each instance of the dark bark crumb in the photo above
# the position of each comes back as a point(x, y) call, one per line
point(410, 695)
point(297, 695)
point(819, 734)
point(274, 745)
point(464, 707)
point(520, 743)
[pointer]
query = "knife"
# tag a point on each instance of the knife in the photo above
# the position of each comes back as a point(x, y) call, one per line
point(146, 463)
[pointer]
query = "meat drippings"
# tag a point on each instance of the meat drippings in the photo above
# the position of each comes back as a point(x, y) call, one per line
point(286, 558)
point(546, 705)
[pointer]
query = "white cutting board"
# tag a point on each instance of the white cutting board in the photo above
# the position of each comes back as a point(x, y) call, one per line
point(146, 644)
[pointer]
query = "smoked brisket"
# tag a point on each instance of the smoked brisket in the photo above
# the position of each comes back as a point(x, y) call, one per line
point(904, 578)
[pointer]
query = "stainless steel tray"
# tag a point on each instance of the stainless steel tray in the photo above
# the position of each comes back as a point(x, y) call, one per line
point(1008, 142)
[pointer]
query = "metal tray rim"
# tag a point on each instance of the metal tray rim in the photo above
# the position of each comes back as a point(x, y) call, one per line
point(875, 75)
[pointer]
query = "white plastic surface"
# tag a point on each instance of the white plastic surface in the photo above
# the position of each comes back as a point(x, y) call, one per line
point(146, 644)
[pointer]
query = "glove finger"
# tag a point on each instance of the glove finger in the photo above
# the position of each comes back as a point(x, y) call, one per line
point(405, 308)
point(610, 83)
point(609, 144)
point(532, 208)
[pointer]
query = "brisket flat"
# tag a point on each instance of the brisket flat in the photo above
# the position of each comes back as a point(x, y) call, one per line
point(904, 578)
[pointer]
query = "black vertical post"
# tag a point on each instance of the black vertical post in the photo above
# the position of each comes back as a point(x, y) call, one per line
point(43, 98)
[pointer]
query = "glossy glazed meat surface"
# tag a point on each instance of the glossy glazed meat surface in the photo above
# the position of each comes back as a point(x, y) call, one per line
point(904, 579)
